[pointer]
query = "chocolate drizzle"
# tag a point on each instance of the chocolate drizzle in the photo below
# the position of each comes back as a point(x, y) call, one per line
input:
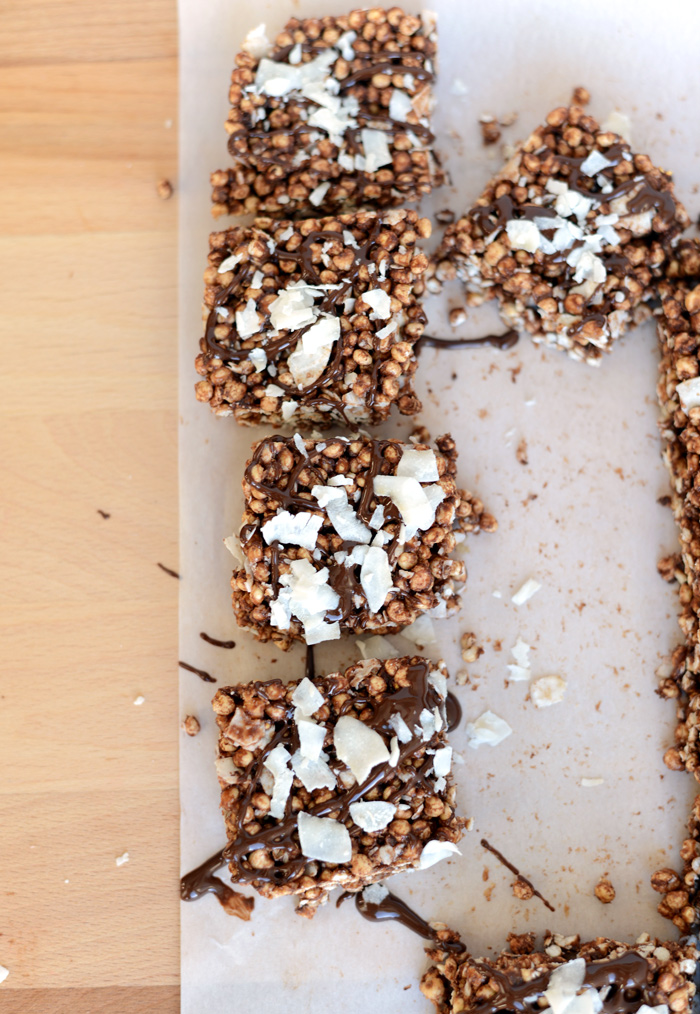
point(203, 675)
point(453, 711)
point(216, 642)
point(201, 881)
point(625, 978)
point(281, 836)
point(167, 570)
point(394, 909)
point(497, 341)
point(514, 869)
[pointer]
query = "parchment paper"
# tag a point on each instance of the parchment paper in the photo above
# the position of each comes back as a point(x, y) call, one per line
point(581, 517)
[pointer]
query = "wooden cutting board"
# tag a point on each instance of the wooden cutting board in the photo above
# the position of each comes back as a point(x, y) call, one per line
point(88, 126)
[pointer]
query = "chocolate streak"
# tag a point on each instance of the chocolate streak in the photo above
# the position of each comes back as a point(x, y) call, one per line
point(393, 909)
point(498, 341)
point(408, 701)
point(216, 642)
point(514, 869)
point(197, 883)
point(167, 570)
point(203, 675)
point(625, 978)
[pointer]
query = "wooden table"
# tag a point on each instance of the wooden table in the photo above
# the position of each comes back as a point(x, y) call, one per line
point(88, 125)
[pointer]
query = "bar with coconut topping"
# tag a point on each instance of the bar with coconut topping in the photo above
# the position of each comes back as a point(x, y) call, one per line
point(339, 782)
point(350, 535)
point(570, 236)
point(313, 323)
point(336, 113)
point(600, 976)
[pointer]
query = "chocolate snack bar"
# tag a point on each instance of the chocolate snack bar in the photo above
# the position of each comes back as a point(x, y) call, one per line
point(350, 535)
point(601, 976)
point(313, 323)
point(570, 236)
point(335, 113)
point(339, 782)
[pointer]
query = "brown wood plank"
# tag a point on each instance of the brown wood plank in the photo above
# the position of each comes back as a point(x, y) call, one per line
point(100, 1000)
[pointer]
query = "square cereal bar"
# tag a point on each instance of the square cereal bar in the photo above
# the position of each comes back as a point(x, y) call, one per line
point(600, 975)
point(338, 782)
point(679, 402)
point(569, 236)
point(335, 113)
point(351, 535)
point(313, 322)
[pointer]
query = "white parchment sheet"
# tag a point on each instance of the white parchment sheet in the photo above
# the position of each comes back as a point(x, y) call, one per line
point(581, 517)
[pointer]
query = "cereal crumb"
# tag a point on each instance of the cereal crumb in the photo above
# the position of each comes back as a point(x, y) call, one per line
point(490, 130)
point(521, 452)
point(462, 678)
point(457, 316)
point(164, 189)
point(190, 725)
point(581, 96)
point(123, 858)
point(470, 649)
point(138, 701)
point(604, 891)
point(445, 217)
point(521, 889)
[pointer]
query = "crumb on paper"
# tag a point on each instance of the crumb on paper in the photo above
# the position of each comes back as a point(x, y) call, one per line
point(138, 701)
point(547, 690)
point(591, 783)
point(238, 905)
point(521, 452)
point(522, 890)
point(526, 591)
point(470, 649)
point(581, 96)
point(490, 130)
point(191, 725)
point(164, 189)
point(445, 216)
point(496, 594)
point(123, 858)
point(458, 316)
point(604, 891)
point(462, 678)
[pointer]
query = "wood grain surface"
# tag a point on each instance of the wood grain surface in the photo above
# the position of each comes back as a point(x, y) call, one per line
point(88, 125)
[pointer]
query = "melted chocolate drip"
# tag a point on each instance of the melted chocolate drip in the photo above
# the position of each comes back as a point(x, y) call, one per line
point(203, 675)
point(167, 570)
point(453, 711)
point(310, 663)
point(625, 978)
point(201, 881)
point(514, 869)
point(279, 837)
point(103, 514)
point(216, 642)
point(393, 909)
point(497, 341)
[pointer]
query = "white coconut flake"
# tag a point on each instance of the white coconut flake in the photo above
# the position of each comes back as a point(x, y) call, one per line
point(247, 320)
point(564, 984)
point(226, 770)
point(438, 681)
point(523, 235)
point(229, 264)
point(420, 632)
point(293, 529)
point(293, 307)
point(375, 577)
point(138, 701)
point(233, 544)
point(525, 592)
point(442, 762)
point(591, 783)
point(324, 839)
point(400, 105)
point(318, 193)
point(313, 773)
point(420, 465)
point(306, 593)
point(276, 79)
point(340, 480)
point(258, 358)
point(295, 55)
point(427, 725)
point(377, 519)
point(372, 816)
point(384, 332)
point(277, 763)
point(288, 410)
point(376, 149)
point(256, 43)
point(518, 673)
point(123, 858)
point(521, 653)
point(273, 391)
point(547, 690)
point(488, 729)
point(416, 509)
point(688, 392)
point(375, 894)
point(618, 123)
point(4, 972)
point(376, 647)
point(595, 162)
point(380, 302)
point(435, 851)
point(403, 733)
point(334, 500)
point(307, 698)
point(311, 737)
point(358, 746)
